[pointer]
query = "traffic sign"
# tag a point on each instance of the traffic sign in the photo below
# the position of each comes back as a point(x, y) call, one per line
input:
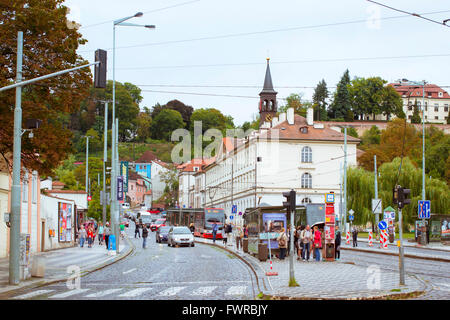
point(382, 225)
point(234, 208)
point(89, 198)
point(376, 206)
point(231, 217)
point(424, 209)
point(329, 197)
point(351, 218)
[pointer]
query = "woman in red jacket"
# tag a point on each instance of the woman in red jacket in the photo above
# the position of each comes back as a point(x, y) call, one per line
point(317, 243)
point(90, 236)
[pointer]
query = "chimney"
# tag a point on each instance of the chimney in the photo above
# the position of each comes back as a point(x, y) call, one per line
point(290, 115)
point(310, 116)
point(274, 121)
point(282, 117)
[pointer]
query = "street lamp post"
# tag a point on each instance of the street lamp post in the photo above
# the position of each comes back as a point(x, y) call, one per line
point(87, 163)
point(114, 202)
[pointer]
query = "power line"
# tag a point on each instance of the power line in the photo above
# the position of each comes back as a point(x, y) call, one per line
point(234, 35)
point(207, 94)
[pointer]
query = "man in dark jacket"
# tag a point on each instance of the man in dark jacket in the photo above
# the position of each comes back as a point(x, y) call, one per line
point(355, 237)
point(144, 235)
point(337, 244)
point(136, 231)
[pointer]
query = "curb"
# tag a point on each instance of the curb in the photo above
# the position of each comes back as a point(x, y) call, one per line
point(406, 255)
point(41, 283)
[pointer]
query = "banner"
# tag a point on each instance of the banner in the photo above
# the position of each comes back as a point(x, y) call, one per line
point(119, 188)
point(124, 174)
point(65, 222)
point(273, 222)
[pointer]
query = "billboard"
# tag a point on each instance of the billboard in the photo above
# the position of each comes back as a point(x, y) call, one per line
point(65, 214)
point(273, 222)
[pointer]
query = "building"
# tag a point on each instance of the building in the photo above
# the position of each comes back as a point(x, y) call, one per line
point(436, 100)
point(136, 188)
point(158, 169)
point(143, 166)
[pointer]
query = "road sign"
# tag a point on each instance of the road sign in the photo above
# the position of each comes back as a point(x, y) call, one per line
point(231, 217)
point(234, 208)
point(329, 197)
point(89, 198)
point(389, 213)
point(351, 218)
point(240, 213)
point(382, 225)
point(424, 209)
point(377, 206)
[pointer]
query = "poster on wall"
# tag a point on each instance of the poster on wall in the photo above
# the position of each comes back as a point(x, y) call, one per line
point(65, 221)
point(273, 223)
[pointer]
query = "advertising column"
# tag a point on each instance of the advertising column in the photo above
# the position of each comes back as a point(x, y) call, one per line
point(329, 227)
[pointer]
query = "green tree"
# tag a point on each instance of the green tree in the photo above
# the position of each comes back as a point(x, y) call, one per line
point(185, 110)
point(416, 115)
point(165, 122)
point(211, 119)
point(351, 132)
point(143, 127)
point(95, 168)
point(371, 137)
point(294, 100)
point(341, 100)
point(320, 97)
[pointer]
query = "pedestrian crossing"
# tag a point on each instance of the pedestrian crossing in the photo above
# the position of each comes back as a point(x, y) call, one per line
point(203, 291)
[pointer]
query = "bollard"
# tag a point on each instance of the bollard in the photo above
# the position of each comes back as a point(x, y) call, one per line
point(370, 239)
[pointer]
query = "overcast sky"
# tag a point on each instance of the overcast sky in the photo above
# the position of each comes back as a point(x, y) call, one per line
point(204, 43)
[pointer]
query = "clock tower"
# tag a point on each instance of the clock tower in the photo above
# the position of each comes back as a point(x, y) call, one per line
point(268, 99)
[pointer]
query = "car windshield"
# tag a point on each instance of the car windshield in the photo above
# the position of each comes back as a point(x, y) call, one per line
point(182, 230)
point(145, 219)
point(160, 221)
point(164, 229)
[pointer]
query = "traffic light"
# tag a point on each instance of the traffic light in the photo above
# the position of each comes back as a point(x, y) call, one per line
point(395, 195)
point(289, 204)
point(403, 197)
point(100, 69)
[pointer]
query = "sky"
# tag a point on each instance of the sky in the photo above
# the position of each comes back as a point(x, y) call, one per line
point(212, 53)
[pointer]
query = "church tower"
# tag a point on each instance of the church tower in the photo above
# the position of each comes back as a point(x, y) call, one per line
point(268, 99)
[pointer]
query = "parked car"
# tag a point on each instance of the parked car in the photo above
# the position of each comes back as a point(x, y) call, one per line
point(180, 236)
point(158, 223)
point(162, 234)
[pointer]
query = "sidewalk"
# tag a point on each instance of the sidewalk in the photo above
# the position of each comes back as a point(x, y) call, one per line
point(324, 280)
point(58, 261)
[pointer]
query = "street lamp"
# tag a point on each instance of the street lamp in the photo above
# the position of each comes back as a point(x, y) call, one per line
point(87, 161)
point(114, 151)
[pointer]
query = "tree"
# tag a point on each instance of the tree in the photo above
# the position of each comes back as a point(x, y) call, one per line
point(294, 100)
point(165, 122)
point(170, 179)
point(210, 118)
point(319, 99)
point(371, 137)
point(416, 115)
point(341, 100)
point(95, 168)
point(184, 110)
point(143, 127)
point(49, 45)
point(351, 132)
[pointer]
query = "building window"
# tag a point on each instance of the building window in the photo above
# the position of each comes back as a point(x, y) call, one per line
point(446, 107)
point(306, 154)
point(25, 188)
point(441, 94)
point(436, 107)
point(306, 200)
point(436, 118)
point(306, 181)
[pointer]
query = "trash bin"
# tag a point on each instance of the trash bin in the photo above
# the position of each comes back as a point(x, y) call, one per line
point(112, 242)
point(245, 245)
point(391, 237)
point(329, 251)
point(262, 251)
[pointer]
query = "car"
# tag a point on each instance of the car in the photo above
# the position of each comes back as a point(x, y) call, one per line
point(180, 236)
point(125, 205)
point(162, 234)
point(158, 223)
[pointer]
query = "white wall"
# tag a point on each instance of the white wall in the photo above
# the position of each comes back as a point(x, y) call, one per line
point(4, 187)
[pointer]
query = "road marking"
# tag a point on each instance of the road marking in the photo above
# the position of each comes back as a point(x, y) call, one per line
point(33, 294)
point(131, 270)
point(171, 291)
point(135, 292)
point(236, 290)
point(102, 293)
point(68, 293)
point(203, 291)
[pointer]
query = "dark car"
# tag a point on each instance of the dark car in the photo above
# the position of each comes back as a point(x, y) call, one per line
point(158, 223)
point(162, 234)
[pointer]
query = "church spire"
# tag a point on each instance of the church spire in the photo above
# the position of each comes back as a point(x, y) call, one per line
point(268, 99)
point(268, 85)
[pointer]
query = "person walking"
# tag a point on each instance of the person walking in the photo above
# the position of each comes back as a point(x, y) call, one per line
point(122, 230)
point(299, 243)
point(245, 231)
point(136, 230)
point(306, 238)
point(225, 234)
point(90, 236)
point(282, 244)
point(355, 237)
point(192, 227)
point(229, 231)
point(239, 236)
point(317, 243)
point(82, 236)
point(337, 243)
point(107, 233)
point(100, 234)
point(214, 231)
point(144, 236)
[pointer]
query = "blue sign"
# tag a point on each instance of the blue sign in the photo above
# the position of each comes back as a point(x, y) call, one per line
point(240, 213)
point(329, 197)
point(231, 217)
point(351, 218)
point(382, 225)
point(234, 209)
point(424, 208)
point(112, 242)
point(119, 188)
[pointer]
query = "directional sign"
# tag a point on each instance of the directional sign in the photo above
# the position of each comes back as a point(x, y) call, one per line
point(424, 209)
point(234, 209)
point(329, 197)
point(377, 206)
point(351, 218)
point(231, 217)
point(382, 225)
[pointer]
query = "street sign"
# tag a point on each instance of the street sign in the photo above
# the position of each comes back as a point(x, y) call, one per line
point(351, 218)
point(240, 213)
point(424, 209)
point(119, 188)
point(234, 208)
point(376, 206)
point(89, 198)
point(382, 225)
point(329, 197)
point(231, 217)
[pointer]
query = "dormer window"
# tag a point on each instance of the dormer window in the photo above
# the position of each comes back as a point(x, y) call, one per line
point(441, 94)
point(304, 129)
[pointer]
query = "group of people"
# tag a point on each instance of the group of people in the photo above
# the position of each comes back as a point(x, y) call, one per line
point(89, 231)
point(143, 226)
point(307, 241)
point(240, 233)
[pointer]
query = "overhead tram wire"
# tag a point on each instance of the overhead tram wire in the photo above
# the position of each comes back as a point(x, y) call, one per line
point(241, 34)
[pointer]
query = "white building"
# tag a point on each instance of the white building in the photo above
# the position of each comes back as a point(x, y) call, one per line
point(157, 184)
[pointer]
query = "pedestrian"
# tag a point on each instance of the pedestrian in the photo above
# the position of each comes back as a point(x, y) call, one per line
point(288, 235)
point(136, 230)
point(355, 237)
point(100, 234)
point(296, 240)
point(229, 231)
point(144, 236)
point(214, 231)
point(282, 244)
point(245, 231)
point(306, 238)
point(337, 243)
point(107, 233)
point(317, 243)
point(122, 230)
point(82, 236)
point(192, 227)
point(90, 236)
point(239, 236)
point(225, 234)
point(299, 242)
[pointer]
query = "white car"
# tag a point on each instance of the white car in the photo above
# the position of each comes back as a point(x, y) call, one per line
point(180, 236)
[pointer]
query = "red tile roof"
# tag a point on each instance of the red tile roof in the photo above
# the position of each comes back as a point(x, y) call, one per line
point(414, 91)
point(147, 157)
point(66, 191)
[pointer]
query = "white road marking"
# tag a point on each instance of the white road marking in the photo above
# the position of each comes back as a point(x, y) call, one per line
point(203, 291)
point(171, 291)
point(131, 270)
point(135, 292)
point(33, 294)
point(68, 293)
point(236, 290)
point(102, 293)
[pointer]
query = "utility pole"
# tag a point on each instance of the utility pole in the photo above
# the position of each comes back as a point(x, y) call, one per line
point(87, 163)
point(424, 234)
point(377, 218)
point(105, 159)
point(341, 219)
point(14, 254)
point(117, 208)
point(400, 248)
point(345, 179)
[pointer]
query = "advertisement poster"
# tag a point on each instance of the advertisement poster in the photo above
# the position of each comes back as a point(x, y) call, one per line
point(65, 221)
point(273, 222)
point(119, 188)
point(445, 230)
